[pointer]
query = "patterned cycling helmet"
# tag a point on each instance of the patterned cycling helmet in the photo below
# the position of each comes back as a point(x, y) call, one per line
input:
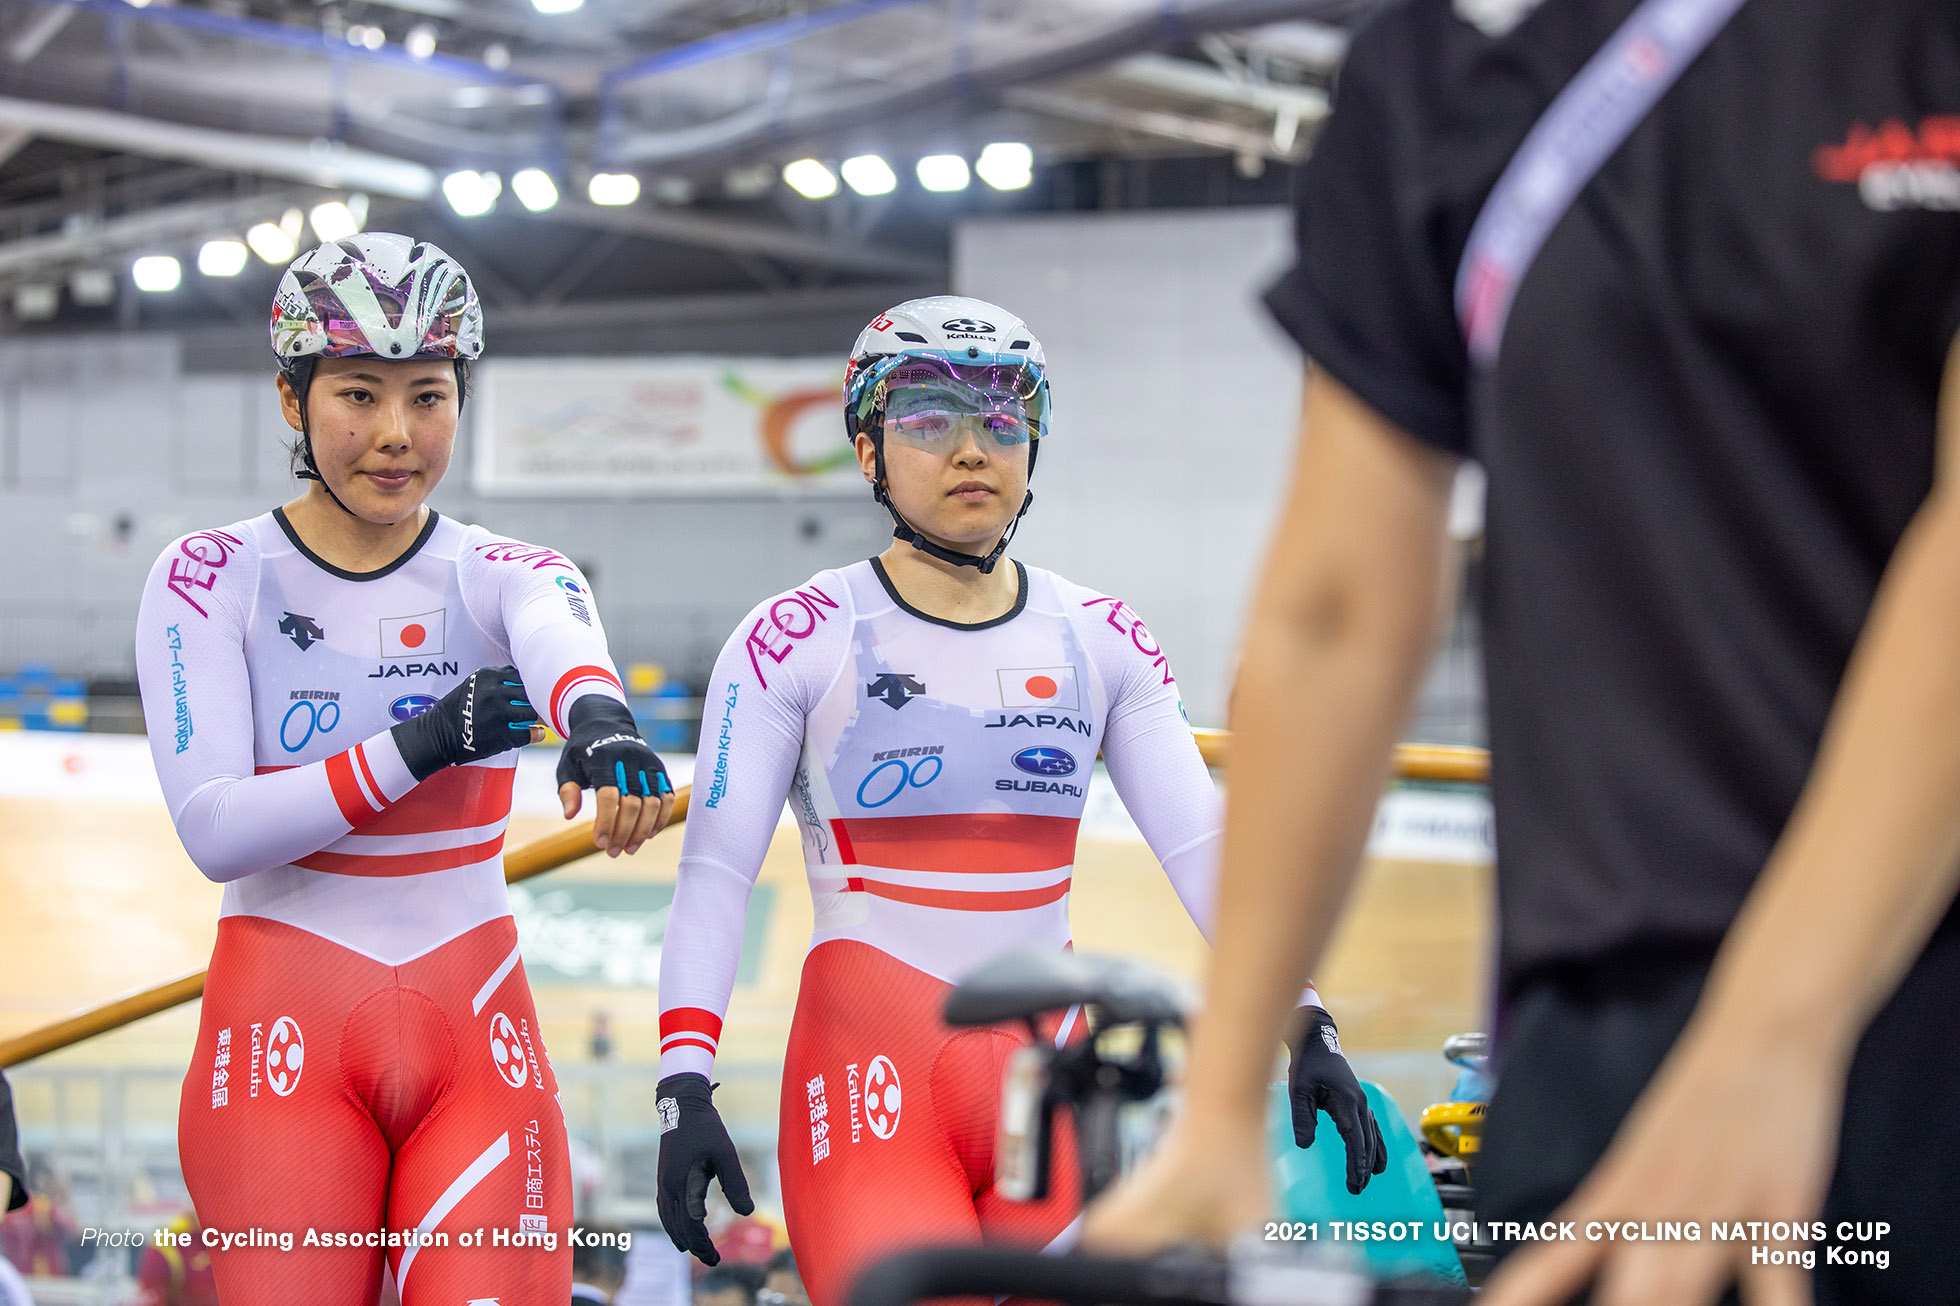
point(376, 293)
point(979, 344)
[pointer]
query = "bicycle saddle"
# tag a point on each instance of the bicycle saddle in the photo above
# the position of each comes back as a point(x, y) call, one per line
point(1033, 980)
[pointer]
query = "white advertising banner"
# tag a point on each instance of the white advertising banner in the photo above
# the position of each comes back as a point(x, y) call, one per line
point(672, 425)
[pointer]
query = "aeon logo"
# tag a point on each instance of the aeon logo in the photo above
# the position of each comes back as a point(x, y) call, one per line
point(285, 1056)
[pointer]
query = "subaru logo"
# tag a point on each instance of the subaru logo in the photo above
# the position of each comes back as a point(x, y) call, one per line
point(1045, 761)
point(968, 326)
point(414, 705)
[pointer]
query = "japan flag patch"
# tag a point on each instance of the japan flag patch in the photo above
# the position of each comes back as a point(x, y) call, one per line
point(412, 637)
point(1039, 687)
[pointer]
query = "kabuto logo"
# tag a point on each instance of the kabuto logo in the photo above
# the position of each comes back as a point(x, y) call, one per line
point(961, 328)
point(507, 1050)
point(882, 1097)
point(1045, 761)
point(410, 706)
point(285, 1056)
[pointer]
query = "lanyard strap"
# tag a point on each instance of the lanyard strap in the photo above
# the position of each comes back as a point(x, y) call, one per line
point(1588, 121)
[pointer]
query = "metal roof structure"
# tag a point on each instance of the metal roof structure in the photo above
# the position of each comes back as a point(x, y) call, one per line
point(147, 129)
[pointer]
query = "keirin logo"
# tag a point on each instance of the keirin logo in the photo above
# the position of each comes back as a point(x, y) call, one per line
point(882, 1098)
point(507, 1050)
point(285, 1056)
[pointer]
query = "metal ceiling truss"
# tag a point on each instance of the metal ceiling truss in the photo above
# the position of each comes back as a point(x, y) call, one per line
point(283, 94)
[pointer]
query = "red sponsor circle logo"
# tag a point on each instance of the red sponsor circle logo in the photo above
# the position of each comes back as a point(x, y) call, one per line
point(794, 616)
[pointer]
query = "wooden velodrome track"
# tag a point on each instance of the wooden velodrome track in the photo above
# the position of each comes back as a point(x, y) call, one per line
point(102, 901)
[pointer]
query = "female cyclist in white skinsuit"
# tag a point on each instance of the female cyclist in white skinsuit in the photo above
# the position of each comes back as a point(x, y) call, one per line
point(332, 691)
point(933, 719)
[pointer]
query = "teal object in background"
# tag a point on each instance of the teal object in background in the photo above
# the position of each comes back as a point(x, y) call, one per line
point(1310, 1187)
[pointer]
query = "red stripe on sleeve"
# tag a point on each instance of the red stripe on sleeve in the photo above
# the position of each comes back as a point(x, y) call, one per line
point(571, 680)
point(690, 1020)
point(354, 805)
point(360, 760)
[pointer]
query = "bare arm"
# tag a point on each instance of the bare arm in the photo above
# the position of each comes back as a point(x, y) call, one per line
point(1342, 624)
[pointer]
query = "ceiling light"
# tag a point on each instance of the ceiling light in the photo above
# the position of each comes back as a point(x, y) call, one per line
point(368, 38)
point(221, 258)
point(750, 182)
point(271, 243)
point(156, 273)
point(1006, 165)
point(613, 188)
point(534, 189)
point(869, 175)
point(357, 205)
point(420, 41)
point(556, 6)
point(943, 172)
point(92, 286)
point(332, 221)
point(496, 56)
point(673, 190)
point(471, 194)
point(292, 222)
point(810, 179)
point(37, 301)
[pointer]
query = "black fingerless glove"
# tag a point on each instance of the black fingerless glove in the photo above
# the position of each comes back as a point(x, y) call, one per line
point(605, 750)
point(694, 1145)
point(482, 717)
point(1320, 1079)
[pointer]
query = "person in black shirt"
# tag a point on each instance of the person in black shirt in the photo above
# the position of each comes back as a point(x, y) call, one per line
point(1721, 609)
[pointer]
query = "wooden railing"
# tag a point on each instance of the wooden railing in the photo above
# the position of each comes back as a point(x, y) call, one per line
point(1428, 762)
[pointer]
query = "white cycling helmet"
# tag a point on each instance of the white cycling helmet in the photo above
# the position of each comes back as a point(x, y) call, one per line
point(376, 293)
point(949, 342)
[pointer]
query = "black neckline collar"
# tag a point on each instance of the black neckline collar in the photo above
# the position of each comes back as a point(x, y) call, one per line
point(428, 529)
point(1020, 601)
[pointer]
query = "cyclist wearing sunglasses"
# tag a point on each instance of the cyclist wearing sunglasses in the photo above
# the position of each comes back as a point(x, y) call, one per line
point(933, 719)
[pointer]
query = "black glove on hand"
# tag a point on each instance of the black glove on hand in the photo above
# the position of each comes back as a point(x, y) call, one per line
point(693, 1145)
point(605, 749)
point(1320, 1079)
point(483, 716)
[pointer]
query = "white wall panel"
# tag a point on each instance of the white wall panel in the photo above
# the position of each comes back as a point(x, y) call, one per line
point(1176, 404)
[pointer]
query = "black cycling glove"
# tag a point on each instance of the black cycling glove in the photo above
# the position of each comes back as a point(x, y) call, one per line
point(1320, 1079)
point(483, 716)
point(605, 749)
point(694, 1144)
